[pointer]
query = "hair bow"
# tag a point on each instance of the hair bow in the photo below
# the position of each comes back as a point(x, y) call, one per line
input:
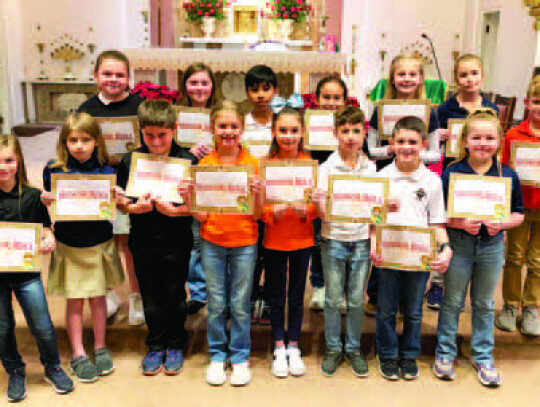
point(278, 103)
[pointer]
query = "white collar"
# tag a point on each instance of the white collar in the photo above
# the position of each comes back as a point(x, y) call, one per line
point(415, 176)
point(106, 101)
point(336, 161)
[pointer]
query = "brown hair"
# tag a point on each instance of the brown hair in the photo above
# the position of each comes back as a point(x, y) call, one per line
point(349, 115)
point(390, 86)
point(412, 123)
point(330, 79)
point(114, 55)
point(85, 123)
point(10, 141)
point(156, 112)
point(189, 72)
point(274, 147)
point(466, 58)
point(534, 87)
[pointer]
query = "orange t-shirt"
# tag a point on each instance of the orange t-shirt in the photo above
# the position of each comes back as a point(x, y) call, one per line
point(290, 232)
point(522, 133)
point(230, 230)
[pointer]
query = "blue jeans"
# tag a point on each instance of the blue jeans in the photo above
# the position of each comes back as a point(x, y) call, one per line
point(346, 266)
point(478, 262)
point(316, 275)
point(196, 281)
point(235, 288)
point(33, 302)
point(405, 289)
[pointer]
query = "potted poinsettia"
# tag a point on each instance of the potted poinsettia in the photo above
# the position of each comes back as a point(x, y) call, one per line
point(206, 11)
point(288, 12)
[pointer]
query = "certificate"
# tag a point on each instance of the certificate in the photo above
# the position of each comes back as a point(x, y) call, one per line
point(356, 199)
point(83, 197)
point(406, 248)
point(391, 110)
point(479, 197)
point(193, 126)
point(19, 247)
point(157, 176)
point(453, 144)
point(525, 160)
point(222, 188)
point(258, 149)
point(288, 181)
point(121, 134)
point(320, 130)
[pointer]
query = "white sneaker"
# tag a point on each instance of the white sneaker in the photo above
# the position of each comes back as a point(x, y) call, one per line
point(317, 300)
point(296, 364)
point(113, 302)
point(215, 373)
point(136, 312)
point(280, 366)
point(241, 375)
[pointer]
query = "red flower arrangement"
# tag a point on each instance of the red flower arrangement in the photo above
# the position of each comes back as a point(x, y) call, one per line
point(149, 90)
point(296, 10)
point(197, 9)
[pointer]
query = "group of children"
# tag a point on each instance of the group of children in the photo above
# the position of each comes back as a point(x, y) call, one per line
point(168, 245)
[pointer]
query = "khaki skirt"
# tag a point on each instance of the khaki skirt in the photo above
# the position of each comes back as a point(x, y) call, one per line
point(84, 272)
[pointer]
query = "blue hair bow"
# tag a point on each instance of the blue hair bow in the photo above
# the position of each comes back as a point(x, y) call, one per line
point(278, 103)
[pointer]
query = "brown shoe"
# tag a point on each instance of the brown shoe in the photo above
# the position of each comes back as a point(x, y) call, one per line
point(370, 309)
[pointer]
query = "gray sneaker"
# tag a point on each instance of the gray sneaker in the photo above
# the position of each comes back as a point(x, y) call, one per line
point(358, 363)
point(331, 362)
point(103, 361)
point(529, 324)
point(83, 369)
point(506, 321)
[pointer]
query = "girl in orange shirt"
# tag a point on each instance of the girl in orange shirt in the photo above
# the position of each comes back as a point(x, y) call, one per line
point(288, 241)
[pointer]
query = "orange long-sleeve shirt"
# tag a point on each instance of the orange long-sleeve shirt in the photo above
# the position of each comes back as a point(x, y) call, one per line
point(522, 133)
point(290, 232)
point(230, 230)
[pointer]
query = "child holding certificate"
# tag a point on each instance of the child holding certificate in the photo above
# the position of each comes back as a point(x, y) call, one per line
point(288, 240)
point(421, 204)
point(85, 263)
point(478, 253)
point(345, 249)
point(524, 240)
point(229, 253)
point(160, 240)
point(261, 86)
point(111, 74)
point(21, 203)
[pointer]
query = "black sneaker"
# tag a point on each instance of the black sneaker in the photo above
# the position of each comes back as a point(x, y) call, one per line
point(194, 306)
point(264, 313)
point(59, 380)
point(408, 369)
point(358, 363)
point(16, 386)
point(331, 362)
point(389, 369)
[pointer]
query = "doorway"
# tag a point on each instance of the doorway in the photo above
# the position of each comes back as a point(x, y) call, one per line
point(489, 42)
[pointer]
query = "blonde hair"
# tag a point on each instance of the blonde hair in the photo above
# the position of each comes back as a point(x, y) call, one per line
point(192, 70)
point(390, 85)
point(467, 58)
point(10, 141)
point(274, 147)
point(226, 106)
point(534, 87)
point(482, 114)
point(85, 123)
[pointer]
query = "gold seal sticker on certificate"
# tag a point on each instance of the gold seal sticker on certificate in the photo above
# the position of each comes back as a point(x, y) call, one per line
point(479, 197)
point(357, 199)
point(19, 247)
point(222, 189)
point(193, 126)
point(320, 130)
point(157, 176)
point(525, 160)
point(288, 181)
point(391, 110)
point(121, 134)
point(455, 126)
point(83, 197)
point(406, 248)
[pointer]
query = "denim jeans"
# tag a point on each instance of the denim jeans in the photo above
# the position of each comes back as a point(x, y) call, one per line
point(278, 264)
point(235, 288)
point(33, 302)
point(196, 281)
point(477, 261)
point(405, 289)
point(346, 267)
point(316, 275)
point(373, 285)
